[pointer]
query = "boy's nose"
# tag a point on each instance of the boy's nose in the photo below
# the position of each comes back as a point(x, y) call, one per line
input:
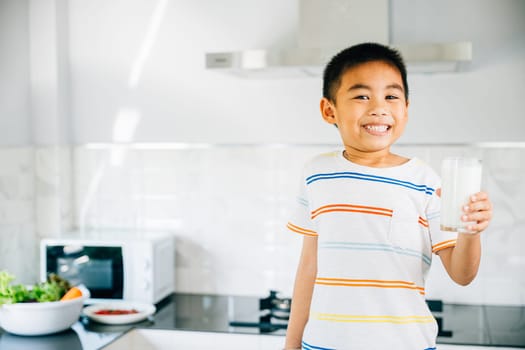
point(378, 111)
point(378, 108)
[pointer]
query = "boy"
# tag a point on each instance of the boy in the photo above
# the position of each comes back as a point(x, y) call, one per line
point(370, 219)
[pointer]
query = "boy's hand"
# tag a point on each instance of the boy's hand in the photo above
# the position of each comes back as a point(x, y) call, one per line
point(478, 209)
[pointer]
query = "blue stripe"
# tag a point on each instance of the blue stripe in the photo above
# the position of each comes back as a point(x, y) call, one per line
point(376, 247)
point(367, 177)
point(302, 201)
point(310, 347)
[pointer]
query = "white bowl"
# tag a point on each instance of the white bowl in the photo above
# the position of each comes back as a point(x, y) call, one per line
point(40, 318)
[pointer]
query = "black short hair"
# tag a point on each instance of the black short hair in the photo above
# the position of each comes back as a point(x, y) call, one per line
point(356, 55)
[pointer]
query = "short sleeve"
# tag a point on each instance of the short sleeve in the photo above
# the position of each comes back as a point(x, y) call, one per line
point(440, 239)
point(300, 221)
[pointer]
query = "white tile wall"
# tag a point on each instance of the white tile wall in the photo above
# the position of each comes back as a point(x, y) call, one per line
point(17, 225)
point(227, 206)
point(53, 190)
point(35, 201)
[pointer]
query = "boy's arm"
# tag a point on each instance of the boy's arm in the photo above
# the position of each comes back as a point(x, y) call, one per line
point(302, 294)
point(462, 261)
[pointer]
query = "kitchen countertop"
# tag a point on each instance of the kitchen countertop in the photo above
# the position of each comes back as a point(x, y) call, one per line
point(469, 324)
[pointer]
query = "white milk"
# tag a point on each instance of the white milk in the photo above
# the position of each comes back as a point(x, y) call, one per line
point(461, 178)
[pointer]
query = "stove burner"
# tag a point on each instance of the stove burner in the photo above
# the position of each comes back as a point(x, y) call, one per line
point(274, 313)
point(278, 307)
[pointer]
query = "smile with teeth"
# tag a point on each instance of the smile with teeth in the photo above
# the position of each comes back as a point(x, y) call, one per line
point(375, 128)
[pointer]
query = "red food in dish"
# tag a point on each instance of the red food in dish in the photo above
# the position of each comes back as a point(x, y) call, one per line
point(116, 312)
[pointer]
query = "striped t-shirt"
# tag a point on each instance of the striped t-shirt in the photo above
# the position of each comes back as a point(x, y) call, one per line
point(377, 229)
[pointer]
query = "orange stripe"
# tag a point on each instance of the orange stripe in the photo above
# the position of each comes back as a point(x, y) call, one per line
point(369, 283)
point(422, 221)
point(451, 245)
point(374, 281)
point(351, 206)
point(301, 230)
point(350, 210)
point(443, 245)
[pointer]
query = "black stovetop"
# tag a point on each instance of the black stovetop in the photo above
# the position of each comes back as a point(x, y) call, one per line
point(459, 324)
point(483, 325)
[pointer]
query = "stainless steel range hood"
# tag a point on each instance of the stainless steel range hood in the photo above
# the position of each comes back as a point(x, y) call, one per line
point(342, 23)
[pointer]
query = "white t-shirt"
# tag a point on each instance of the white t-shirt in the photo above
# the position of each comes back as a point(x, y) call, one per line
point(377, 229)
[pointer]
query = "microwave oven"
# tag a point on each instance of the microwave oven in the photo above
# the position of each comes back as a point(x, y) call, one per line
point(113, 265)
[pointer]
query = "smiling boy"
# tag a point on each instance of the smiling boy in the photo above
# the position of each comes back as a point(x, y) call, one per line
point(370, 219)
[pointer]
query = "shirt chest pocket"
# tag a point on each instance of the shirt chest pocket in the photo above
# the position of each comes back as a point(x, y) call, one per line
point(407, 228)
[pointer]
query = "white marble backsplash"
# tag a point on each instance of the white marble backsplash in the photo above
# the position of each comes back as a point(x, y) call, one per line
point(35, 201)
point(227, 207)
point(53, 191)
point(17, 214)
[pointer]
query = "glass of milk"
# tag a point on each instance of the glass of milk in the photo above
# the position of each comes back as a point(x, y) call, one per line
point(461, 178)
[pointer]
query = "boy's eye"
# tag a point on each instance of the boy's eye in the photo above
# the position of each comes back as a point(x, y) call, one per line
point(361, 97)
point(391, 97)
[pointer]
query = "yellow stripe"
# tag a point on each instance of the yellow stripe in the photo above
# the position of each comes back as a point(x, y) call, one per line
point(343, 282)
point(374, 321)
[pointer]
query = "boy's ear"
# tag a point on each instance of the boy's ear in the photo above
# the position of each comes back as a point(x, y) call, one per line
point(327, 110)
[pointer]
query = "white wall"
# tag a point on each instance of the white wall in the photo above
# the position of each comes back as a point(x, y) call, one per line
point(484, 103)
point(14, 73)
point(49, 72)
point(145, 59)
point(176, 99)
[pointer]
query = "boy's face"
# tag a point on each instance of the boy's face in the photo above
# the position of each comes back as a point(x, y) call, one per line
point(370, 110)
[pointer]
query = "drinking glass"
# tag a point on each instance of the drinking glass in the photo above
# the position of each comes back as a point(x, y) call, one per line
point(461, 178)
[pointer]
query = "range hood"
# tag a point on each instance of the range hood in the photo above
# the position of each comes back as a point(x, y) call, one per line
point(328, 26)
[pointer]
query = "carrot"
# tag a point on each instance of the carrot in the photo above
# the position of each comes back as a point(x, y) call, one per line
point(72, 293)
